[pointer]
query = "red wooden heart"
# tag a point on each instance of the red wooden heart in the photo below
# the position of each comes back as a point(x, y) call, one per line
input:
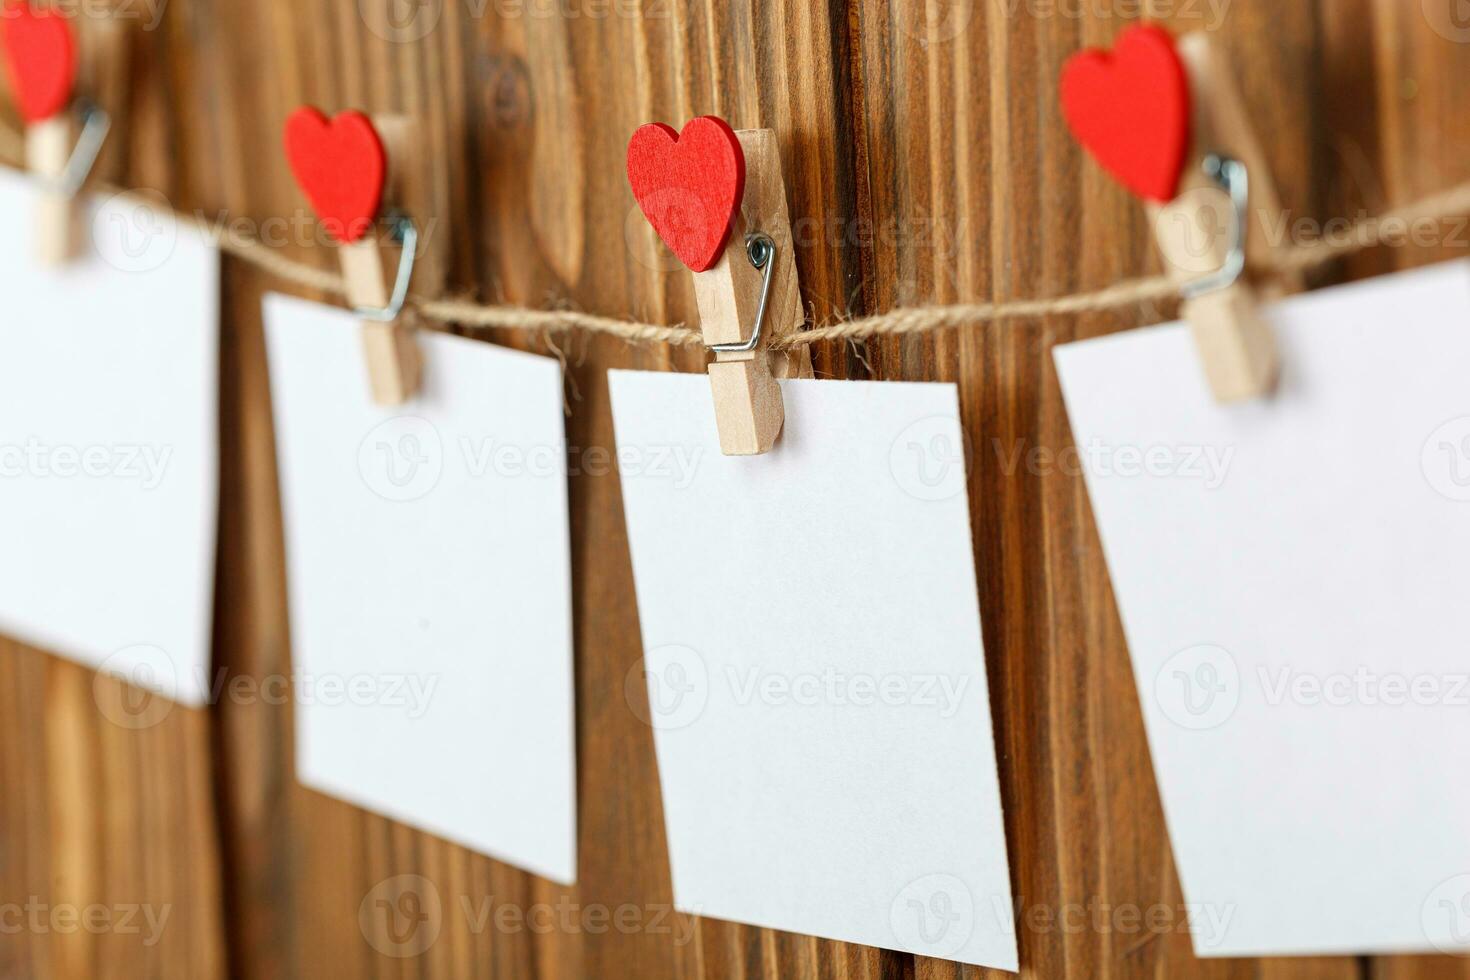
point(41, 54)
point(1130, 108)
point(689, 185)
point(341, 165)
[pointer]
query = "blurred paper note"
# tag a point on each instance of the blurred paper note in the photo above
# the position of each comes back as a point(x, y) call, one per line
point(108, 443)
point(429, 576)
point(1292, 578)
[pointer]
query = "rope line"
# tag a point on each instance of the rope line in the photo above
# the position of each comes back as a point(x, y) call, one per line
point(1389, 228)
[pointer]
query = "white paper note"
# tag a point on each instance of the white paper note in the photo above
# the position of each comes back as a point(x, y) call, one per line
point(813, 665)
point(108, 442)
point(430, 586)
point(1292, 578)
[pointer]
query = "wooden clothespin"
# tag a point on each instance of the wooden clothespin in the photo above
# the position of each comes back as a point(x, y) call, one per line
point(41, 55)
point(1167, 120)
point(717, 199)
point(345, 166)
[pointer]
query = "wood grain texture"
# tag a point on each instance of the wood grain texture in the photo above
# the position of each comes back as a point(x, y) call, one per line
point(925, 160)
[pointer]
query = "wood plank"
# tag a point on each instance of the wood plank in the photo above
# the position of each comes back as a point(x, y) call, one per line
point(108, 857)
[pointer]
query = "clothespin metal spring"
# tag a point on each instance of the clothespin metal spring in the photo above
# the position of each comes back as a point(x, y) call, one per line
point(761, 250)
point(404, 233)
point(1233, 178)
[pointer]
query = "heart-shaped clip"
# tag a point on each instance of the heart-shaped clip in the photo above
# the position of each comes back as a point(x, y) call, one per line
point(717, 199)
point(342, 166)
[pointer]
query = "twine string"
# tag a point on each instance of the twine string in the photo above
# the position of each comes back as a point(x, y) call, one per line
point(1384, 229)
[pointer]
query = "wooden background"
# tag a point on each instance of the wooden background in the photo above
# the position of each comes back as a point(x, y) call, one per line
point(926, 161)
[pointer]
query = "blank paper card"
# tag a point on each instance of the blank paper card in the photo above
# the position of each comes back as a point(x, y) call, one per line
point(429, 577)
point(109, 441)
point(813, 669)
point(1292, 577)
